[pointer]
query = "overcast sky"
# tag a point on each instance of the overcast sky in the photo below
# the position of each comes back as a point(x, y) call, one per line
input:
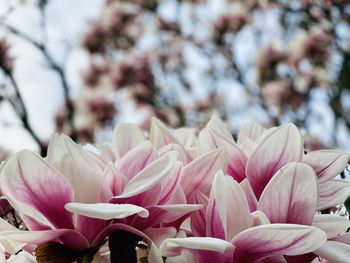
point(41, 90)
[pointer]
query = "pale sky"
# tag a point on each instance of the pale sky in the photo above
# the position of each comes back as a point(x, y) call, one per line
point(40, 88)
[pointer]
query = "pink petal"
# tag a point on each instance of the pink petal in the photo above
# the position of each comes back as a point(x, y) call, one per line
point(335, 252)
point(249, 194)
point(184, 157)
point(160, 135)
point(89, 227)
point(36, 189)
point(69, 237)
point(259, 242)
point(106, 152)
point(186, 136)
point(327, 164)
point(215, 225)
point(259, 218)
point(333, 193)
point(291, 195)
point(207, 141)
point(210, 140)
point(114, 179)
point(169, 186)
point(199, 174)
point(198, 218)
point(204, 249)
point(148, 198)
point(136, 159)
point(164, 214)
point(217, 125)
point(126, 137)
point(345, 238)
point(82, 168)
point(251, 131)
point(33, 224)
point(226, 198)
point(158, 235)
point(248, 147)
point(276, 148)
point(92, 218)
point(178, 197)
point(332, 225)
point(150, 176)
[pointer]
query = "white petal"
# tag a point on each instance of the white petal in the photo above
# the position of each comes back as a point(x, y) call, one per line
point(106, 211)
point(150, 176)
point(335, 252)
point(200, 243)
point(333, 225)
point(126, 137)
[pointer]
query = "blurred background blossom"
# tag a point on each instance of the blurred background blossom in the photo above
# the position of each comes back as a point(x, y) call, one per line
point(79, 67)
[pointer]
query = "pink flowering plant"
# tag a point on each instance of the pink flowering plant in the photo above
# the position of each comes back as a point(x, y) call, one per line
point(177, 196)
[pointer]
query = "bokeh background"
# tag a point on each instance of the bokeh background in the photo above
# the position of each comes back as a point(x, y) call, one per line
point(79, 67)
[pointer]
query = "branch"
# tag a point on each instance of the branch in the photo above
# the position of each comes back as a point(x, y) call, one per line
point(55, 67)
point(22, 112)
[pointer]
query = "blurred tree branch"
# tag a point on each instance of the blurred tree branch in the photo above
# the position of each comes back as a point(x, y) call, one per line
point(21, 110)
point(54, 66)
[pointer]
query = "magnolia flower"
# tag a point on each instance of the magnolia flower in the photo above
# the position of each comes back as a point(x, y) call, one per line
point(95, 38)
point(267, 60)
point(259, 154)
point(231, 20)
point(291, 196)
point(197, 199)
point(231, 236)
point(313, 45)
point(275, 93)
point(252, 161)
point(75, 199)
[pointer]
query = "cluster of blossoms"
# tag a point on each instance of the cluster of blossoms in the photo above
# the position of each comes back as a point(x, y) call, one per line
point(177, 196)
point(304, 63)
point(141, 62)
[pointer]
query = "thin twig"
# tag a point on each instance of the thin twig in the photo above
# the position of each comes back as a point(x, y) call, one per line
point(22, 112)
point(54, 66)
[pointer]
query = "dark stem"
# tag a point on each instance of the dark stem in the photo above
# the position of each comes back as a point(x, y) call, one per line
point(22, 112)
point(17, 224)
point(122, 246)
point(55, 67)
point(87, 259)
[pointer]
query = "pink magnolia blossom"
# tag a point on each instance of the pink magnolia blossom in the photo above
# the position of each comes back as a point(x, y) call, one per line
point(253, 160)
point(292, 197)
point(205, 198)
point(275, 92)
point(73, 197)
point(259, 154)
point(231, 236)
